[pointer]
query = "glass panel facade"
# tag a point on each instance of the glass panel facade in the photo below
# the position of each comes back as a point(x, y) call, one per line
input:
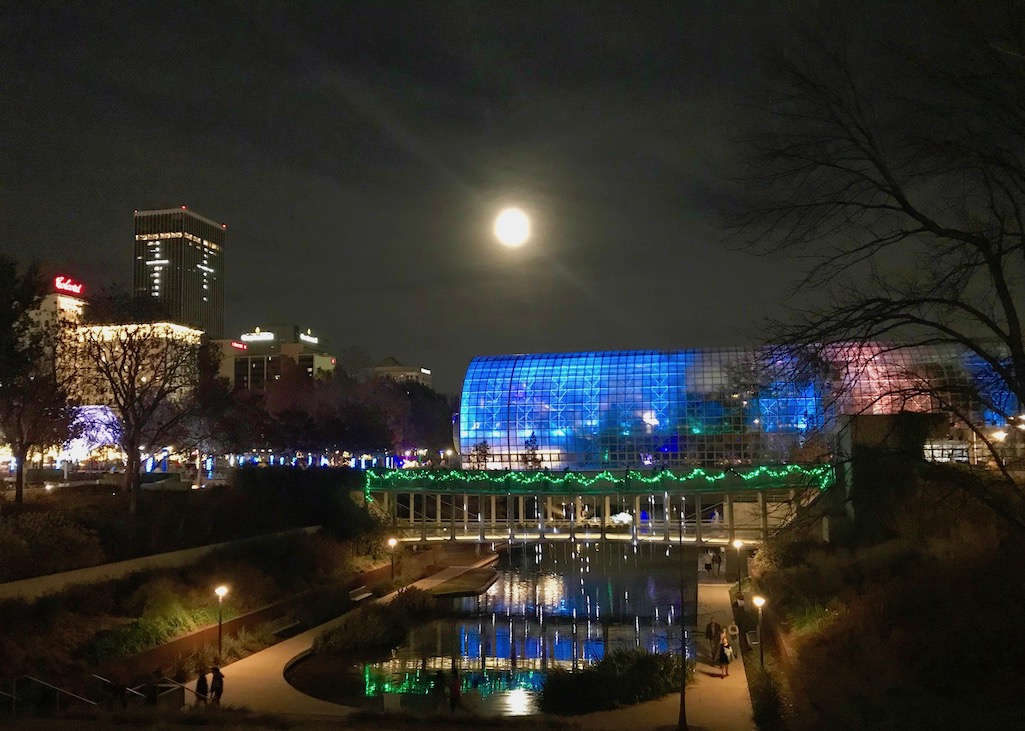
point(707, 407)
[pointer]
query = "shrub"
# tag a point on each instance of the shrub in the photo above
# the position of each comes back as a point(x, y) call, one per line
point(413, 605)
point(622, 677)
point(38, 543)
point(367, 628)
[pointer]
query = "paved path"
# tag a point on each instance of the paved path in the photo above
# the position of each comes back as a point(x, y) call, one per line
point(258, 681)
point(713, 703)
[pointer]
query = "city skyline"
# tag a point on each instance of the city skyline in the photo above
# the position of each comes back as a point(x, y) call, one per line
point(361, 154)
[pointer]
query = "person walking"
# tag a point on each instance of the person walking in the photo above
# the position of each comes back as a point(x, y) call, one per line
point(202, 688)
point(708, 563)
point(724, 655)
point(217, 686)
point(455, 699)
point(438, 689)
point(713, 632)
point(716, 563)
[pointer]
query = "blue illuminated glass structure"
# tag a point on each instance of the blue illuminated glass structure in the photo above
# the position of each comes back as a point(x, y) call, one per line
point(697, 407)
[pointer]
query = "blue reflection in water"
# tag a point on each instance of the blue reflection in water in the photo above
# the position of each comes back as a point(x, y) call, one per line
point(553, 606)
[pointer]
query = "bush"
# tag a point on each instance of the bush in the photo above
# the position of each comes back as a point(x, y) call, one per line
point(412, 605)
point(367, 628)
point(621, 678)
point(38, 543)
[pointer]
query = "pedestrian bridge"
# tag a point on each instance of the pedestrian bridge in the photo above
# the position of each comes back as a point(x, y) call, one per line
point(702, 506)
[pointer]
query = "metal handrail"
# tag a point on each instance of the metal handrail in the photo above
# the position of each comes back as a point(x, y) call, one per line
point(111, 682)
point(54, 687)
point(181, 685)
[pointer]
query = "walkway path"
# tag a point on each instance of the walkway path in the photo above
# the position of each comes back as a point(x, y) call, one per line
point(713, 703)
point(258, 681)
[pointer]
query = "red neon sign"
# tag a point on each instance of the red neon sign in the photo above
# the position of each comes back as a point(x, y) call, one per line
point(67, 284)
point(240, 346)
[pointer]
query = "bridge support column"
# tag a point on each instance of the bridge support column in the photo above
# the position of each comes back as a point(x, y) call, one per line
point(697, 516)
point(437, 510)
point(763, 508)
point(730, 527)
point(540, 515)
point(522, 517)
point(637, 517)
point(480, 517)
point(509, 515)
point(452, 519)
point(494, 512)
point(574, 505)
point(667, 516)
point(466, 512)
point(606, 507)
point(423, 521)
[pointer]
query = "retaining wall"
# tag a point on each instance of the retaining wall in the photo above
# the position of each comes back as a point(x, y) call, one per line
point(39, 586)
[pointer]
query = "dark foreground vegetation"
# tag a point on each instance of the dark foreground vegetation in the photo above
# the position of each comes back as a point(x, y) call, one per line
point(240, 718)
point(912, 623)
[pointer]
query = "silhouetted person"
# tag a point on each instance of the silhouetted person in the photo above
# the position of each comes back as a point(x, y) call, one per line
point(713, 631)
point(716, 563)
point(455, 699)
point(202, 688)
point(217, 686)
point(438, 689)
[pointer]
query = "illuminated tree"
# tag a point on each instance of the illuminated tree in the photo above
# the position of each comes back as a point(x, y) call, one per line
point(146, 373)
point(897, 174)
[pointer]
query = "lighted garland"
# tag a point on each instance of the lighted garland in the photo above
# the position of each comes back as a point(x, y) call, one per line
point(820, 476)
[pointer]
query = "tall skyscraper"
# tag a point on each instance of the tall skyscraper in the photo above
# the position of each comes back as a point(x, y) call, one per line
point(179, 261)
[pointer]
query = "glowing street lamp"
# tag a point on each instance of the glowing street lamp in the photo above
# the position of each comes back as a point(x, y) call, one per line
point(391, 546)
point(220, 591)
point(760, 602)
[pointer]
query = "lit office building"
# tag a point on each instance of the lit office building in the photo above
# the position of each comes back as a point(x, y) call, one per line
point(712, 407)
point(391, 368)
point(256, 358)
point(179, 261)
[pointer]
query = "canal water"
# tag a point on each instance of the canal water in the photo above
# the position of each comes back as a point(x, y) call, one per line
point(559, 605)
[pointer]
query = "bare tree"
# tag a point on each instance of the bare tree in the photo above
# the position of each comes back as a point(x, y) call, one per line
point(145, 373)
point(34, 407)
point(897, 175)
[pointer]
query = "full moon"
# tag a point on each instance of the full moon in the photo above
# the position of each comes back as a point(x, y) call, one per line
point(512, 227)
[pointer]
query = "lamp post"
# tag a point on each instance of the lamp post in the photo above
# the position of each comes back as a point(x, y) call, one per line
point(738, 544)
point(391, 547)
point(760, 602)
point(220, 591)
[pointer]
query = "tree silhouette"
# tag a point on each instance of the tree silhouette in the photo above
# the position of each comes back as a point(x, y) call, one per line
point(898, 175)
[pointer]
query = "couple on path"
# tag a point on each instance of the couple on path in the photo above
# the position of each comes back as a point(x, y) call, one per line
point(719, 647)
point(214, 691)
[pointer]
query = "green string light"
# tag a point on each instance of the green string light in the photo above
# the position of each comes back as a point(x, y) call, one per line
point(699, 479)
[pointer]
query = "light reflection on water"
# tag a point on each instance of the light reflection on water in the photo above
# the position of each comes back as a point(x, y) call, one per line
point(553, 606)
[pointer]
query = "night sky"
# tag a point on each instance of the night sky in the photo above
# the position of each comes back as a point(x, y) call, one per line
point(359, 151)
